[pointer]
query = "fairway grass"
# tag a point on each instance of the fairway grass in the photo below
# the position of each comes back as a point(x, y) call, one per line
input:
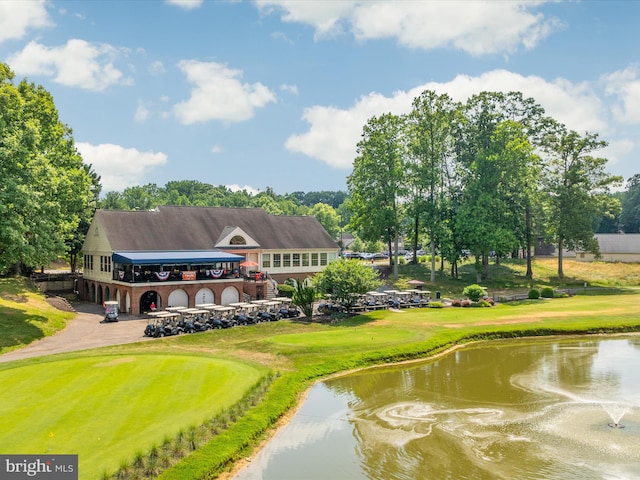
point(106, 408)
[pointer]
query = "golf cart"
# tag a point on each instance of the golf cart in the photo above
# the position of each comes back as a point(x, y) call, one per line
point(110, 311)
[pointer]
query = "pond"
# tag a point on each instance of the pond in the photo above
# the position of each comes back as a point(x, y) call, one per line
point(526, 409)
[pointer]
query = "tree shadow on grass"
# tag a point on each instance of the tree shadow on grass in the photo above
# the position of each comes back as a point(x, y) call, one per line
point(18, 328)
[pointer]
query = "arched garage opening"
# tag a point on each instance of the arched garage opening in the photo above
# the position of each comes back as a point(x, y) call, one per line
point(205, 295)
point(229, 295)
point(147, 298)
point(178, 298)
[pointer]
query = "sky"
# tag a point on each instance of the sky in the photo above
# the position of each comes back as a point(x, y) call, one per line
point(275, 93)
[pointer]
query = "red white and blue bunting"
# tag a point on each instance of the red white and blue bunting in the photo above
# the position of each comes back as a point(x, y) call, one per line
point(162, 276)
point(215, 273)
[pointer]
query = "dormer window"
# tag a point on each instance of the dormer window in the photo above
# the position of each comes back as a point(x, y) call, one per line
point(237, 240)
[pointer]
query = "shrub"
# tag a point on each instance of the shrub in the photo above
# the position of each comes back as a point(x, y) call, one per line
point(546, 292)
point(286, 290)
point(534, 294)
point(474, 292)
point(465, 303)
point(436, 305)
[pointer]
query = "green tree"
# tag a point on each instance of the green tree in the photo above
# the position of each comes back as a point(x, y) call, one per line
point(44, 186)
point(485, 219)
point(328, 218)
point(345, 280)
point(577, 190)
point(429, 127)
point(377, 182)
point(630, 216)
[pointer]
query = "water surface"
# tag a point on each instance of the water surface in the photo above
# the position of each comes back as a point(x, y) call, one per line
point(525, 409)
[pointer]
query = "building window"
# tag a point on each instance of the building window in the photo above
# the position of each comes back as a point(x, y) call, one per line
point(237, 240)
point(323, 259)
point(314, 259)
point(266, 260)
point(276, 260)
point(88, 262)
point(286, 259)
point(296, 260)
point(105, 263)
point(305, 259)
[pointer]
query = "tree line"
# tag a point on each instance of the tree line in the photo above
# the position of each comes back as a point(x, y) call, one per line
point(488, 176)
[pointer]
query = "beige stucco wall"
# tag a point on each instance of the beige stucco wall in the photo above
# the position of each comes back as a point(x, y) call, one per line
point(96, 244)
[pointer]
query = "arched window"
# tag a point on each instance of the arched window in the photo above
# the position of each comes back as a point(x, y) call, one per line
point(237, 240)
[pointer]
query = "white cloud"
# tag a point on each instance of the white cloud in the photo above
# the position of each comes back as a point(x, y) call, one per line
point(289, 88)
point(476, 27)
point(18, 16)
point(216, 149)
point(333, 133)
point(237, 188)
point(324, 16)
point(618, 150)
point(76, 64)
point(219, 94)
point(119, 167)
point(625, 85)
point(156, 68)
point(142, 112)
point(186, 4)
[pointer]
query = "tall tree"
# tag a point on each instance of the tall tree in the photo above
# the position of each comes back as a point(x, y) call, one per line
point(576, 188)
point(376, 184)
point(475, 131)
point(630, 216)
point(44, 186)
point(430, 146)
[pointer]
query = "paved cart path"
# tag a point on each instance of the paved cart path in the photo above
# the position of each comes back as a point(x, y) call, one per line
point(83, 332)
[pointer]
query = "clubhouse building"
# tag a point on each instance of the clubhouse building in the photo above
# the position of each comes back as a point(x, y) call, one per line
point(184, 256)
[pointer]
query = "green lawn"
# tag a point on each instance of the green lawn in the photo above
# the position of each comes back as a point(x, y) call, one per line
point(106, 408)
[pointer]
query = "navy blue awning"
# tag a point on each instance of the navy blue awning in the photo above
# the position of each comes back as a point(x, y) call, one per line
point(175, 257)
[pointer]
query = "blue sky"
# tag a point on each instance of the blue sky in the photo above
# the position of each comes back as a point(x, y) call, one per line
point(256, 94)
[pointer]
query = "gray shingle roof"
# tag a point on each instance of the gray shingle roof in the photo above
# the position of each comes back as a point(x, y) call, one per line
point(199, 228)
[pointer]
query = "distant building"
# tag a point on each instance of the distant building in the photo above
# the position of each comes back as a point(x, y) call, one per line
point(185, 256)
point(615, 247)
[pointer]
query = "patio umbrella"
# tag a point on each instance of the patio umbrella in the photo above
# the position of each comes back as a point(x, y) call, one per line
point(248, 263)
point(417, 283)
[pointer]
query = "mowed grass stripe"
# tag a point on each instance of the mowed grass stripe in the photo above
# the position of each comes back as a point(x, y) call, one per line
point(106, 408)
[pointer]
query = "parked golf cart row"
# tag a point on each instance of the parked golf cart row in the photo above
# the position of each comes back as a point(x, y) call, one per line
point(375, 300)
point(179, 320)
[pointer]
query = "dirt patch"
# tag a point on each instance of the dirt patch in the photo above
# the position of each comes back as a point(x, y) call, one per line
point(60, 304)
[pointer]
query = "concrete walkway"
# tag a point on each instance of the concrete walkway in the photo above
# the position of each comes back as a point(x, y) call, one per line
point(84, 332)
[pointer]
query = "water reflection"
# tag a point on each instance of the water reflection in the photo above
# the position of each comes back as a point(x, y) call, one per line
point(526, 409)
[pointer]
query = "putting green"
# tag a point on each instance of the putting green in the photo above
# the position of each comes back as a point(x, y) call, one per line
point(106, 408)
